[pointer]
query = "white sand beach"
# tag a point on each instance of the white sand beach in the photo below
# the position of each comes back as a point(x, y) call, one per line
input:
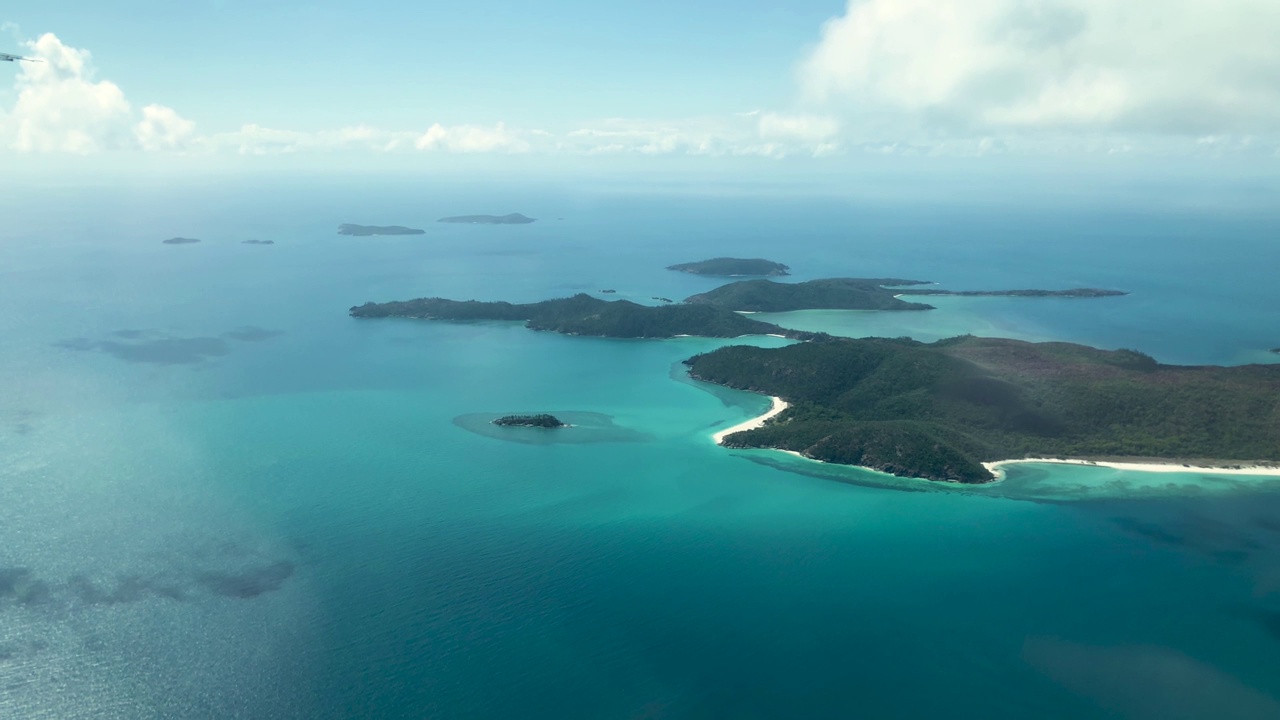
point(778, 406)
point(997, 468)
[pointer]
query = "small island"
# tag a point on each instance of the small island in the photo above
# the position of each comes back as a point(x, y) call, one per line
point(608, 292)
point(180, 241)
point(583, 314)
point(733, 267)
point(372, 230)
point(1276, 350)
point(538, 421)
point(511, 219)
point(952, 409)
point(258, 242)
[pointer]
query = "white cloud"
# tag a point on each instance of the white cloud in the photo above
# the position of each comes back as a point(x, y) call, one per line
point(61, 107)
point(1180, 67)
point(162, 128)
point(472, 139)
point(808, 128)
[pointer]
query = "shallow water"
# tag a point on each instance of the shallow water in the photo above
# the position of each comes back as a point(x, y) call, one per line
point(222, 497)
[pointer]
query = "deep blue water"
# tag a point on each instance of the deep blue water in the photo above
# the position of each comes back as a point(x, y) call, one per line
point(222, 497)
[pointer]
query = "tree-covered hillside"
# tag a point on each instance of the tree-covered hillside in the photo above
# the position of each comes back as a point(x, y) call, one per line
point(940, 410)
point(586, 315)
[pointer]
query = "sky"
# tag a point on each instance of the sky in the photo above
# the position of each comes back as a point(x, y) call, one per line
point(747, 86)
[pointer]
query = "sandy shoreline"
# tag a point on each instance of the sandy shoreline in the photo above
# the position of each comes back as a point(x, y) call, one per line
point(997, 468)
point(778, 406)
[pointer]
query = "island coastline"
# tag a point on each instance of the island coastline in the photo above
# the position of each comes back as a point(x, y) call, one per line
point(778, 406)
point(997, 468)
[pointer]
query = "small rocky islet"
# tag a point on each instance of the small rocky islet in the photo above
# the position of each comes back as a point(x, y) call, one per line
point(541, 420)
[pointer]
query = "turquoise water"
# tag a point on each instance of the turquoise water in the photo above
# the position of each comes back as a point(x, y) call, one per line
point(222, 497)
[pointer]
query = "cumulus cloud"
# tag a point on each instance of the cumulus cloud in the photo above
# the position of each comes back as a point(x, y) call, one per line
point(254, 139)
point(748, 133)
point(162, 128)
point(62, 107)
point(472, 138)
point(1176, 67)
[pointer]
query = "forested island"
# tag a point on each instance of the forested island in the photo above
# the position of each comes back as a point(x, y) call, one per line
point(828, 294)
point(180, 241)
point(512, 219)
point(370, 230)
point(586, 315)
point(539, 421)
point(258, 242)
point(854, 294)
point(733, 267)
point(939, 411)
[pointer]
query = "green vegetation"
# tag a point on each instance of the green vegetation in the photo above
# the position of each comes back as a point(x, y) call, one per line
point(938, 411)
point(512, 219)
point(733, 267)
point(829, 294)
point(538, 421)
point(586, 315)
point(853, 294)
point(368, 230)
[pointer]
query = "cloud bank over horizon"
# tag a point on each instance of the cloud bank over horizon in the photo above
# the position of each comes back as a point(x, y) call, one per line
point(920, 78)
point(1191, 68)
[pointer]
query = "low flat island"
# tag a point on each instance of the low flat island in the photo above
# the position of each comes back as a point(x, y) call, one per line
point(258, 242)
point(542, 420)
point(372, 230)
point(855, 294)
point(733, 267)
point(180, 241)
point(511, 219)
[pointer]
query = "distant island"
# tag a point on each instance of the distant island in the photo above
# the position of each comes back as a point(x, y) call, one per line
point(583, 314)
point(369, 230)
point(258, 242)
point(828, 294)
point(733, 267)
point(608, 292)
point(940, 411)
point(1072, 293)
point(1276, 350)
point(538, 421)
point(180, 241)
point(512, 219)
point(853, 294)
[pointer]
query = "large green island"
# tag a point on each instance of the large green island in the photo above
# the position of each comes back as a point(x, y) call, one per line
point(586, 315)
point(939, 411)
point(853, 294)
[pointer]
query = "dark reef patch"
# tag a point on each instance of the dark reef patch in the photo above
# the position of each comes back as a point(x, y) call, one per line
point(143, 346)
point(250, 582)
point(249, 333)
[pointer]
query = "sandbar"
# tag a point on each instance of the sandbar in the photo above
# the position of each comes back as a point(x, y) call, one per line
point(997, 468)
point(778, 406)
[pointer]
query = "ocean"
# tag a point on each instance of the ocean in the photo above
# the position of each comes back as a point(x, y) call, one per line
point(222, 497)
